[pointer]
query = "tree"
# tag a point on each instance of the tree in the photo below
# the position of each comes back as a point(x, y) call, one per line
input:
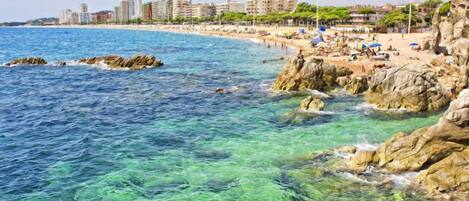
point(366, 11)
point(393, 19)
point(444, 9)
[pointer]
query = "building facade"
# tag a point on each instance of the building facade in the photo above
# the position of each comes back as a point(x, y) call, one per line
point(102, 17)
point(147, 11)
point(182, 8)
point(264, 7)
point(124, 12)
point(230, 7)
point(202, 10)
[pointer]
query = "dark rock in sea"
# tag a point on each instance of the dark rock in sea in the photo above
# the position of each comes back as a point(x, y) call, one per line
point(136, 62)
point(27, 61)
point(60, 63)
point(219, 90)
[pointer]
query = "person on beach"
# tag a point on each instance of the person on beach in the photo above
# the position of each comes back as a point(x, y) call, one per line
point(363, 68)
point(453, 90)
point(301, 59)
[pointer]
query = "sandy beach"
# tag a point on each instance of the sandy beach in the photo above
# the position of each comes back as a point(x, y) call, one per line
point(274, 39)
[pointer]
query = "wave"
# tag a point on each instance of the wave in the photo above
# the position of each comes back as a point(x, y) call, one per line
point(369, 106)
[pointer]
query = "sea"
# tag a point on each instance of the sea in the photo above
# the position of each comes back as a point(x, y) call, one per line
point(84, 132)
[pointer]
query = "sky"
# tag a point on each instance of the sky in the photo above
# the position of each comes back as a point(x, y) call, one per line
point(22, 10)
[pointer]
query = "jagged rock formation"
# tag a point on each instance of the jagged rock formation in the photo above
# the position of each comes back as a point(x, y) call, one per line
point(136, 62)
point(410, 87)
point(357, 85)
point(27, 61)
point(311, 103)
point(441, 151)
point(313, 74)
point(454, 31)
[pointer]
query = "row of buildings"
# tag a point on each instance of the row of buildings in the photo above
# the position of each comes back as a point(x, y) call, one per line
point(165, 10)
point(83, 16)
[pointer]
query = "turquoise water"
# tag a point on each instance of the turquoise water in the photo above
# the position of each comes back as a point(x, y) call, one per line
point(85, 133)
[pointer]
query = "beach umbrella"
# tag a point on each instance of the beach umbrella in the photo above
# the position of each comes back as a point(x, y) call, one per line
point(375, 45)
point(413, 44)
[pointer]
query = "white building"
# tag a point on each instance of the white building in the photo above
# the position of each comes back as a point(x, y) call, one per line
point(162, 9)
point(84, 17)
point(65, 17)
point(230, 7)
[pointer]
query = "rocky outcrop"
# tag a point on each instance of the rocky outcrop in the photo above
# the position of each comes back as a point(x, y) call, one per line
point(410, 87)
point(313, 74)
point(343, 71)
point(454, 31)
point(136, 62)
point(27, 61)
point(311, 103)
point(357, 85)
point(441, 151)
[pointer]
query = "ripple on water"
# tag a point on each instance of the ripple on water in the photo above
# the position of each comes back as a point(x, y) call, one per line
point(82, 133)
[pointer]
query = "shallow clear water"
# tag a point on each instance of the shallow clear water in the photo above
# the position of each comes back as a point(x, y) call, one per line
point(84, 133)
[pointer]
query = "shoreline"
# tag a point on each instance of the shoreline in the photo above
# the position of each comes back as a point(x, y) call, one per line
point(270, 42)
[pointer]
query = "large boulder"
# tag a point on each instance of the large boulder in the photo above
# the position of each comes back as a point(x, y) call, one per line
point(136, 62)
point(357, 85)
point(442, 150)
point(27, 61)
point(311, 103)
point(313, 74)
point(410, 87)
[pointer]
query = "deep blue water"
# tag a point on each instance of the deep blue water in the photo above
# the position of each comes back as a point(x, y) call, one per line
point(86, 133)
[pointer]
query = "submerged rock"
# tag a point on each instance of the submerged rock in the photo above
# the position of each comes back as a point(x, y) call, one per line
point(136, 62)
point(311, 103)
point(442, 149)
point(410, 87)
point(313, 74)
point(27, 61)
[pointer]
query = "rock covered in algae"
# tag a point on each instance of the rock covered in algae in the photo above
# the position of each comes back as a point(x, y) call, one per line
point(27, 61)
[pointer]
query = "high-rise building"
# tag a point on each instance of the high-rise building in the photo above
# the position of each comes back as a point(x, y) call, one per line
point(75, 18)
point(162, 9)
point(147, 13)
point(116, 15)
point(84, 17)
point(182, 8)
point(65, 17)
point(264, 7)
point(131, 8)
point(83, 8)
point(138, 9)
point(202, 10)
point(124, 14)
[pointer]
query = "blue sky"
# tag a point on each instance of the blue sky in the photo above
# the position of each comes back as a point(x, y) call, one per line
point(22, 10)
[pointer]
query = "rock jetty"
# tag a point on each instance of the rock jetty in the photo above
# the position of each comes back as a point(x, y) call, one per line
point(27, 61)
point(137, 62)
